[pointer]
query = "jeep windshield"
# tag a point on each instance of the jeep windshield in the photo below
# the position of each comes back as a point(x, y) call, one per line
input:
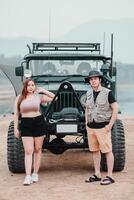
point(63, 68)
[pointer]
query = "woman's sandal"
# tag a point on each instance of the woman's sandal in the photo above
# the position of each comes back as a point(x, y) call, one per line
point(93, 178)
point(108, 180)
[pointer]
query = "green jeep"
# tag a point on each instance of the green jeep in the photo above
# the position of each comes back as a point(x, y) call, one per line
point(62, 68)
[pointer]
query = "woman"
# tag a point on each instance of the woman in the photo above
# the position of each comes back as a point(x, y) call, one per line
point(31, 127)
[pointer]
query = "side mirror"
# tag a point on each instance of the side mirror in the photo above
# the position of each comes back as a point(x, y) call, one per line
point(19, 71)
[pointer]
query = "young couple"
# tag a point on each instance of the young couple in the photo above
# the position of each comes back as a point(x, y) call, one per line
point(100, 115)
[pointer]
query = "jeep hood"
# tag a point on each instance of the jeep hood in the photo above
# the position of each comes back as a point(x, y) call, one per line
point(55, 86)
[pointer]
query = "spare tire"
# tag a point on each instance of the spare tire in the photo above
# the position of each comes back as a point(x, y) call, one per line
point(69, 113)
point(84, 68)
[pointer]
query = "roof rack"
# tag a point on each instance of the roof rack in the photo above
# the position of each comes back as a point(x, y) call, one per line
point(66, 47)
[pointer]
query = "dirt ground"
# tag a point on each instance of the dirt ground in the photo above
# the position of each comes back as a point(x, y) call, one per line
point(62, 176)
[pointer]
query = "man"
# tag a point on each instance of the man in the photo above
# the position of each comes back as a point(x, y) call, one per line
point(100, 115)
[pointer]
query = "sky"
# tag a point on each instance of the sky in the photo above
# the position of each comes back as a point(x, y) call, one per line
point(39, 18)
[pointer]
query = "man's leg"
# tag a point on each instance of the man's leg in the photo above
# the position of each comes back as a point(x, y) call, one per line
point(97, 175)
point(94, 148)
point(110, 163)
point(97, 159)
point(104, 139)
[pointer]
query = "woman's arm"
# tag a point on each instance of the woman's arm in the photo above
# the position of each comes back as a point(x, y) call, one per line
point(16, 117)
point(46, 95)
point(45, 92)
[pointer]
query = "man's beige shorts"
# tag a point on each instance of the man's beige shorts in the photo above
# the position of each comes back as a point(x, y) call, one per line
point(99, 140)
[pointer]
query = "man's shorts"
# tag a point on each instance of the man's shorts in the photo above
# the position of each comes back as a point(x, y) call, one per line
point(32, 127)
point(99, 140)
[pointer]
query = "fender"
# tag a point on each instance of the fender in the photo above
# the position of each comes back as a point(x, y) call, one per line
point(16, 82)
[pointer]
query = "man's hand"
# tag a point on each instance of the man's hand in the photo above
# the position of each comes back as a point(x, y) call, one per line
point(16, 133)
point(108, 127)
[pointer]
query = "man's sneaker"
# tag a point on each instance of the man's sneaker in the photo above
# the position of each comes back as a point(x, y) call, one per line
point(35, 177)
point(28, 180)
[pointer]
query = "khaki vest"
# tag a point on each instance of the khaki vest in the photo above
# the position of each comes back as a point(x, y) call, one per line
point(100, 111)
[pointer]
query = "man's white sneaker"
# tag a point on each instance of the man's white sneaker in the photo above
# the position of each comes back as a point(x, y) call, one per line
point(28, 180)
point(35, 177)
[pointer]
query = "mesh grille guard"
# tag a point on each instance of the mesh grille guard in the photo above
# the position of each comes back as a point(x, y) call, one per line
point(66, 97)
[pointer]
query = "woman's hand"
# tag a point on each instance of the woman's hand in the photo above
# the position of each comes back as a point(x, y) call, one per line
point(39, 90)
point(45, 92)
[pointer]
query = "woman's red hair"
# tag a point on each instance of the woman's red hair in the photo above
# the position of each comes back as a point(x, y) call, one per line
point(24, 92)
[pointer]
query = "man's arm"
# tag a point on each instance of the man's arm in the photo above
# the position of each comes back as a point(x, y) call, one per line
point(115, 109)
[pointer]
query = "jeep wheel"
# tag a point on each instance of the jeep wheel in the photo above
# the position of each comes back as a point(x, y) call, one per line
point(118, 144)
point(15, 152)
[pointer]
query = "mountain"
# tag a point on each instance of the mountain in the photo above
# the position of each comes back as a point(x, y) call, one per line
point(91, 31)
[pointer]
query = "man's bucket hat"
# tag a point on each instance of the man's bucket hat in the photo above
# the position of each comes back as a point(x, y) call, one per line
point(93, 73)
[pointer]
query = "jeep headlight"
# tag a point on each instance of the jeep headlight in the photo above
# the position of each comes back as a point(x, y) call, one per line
point(27, 73)
point(83, 99)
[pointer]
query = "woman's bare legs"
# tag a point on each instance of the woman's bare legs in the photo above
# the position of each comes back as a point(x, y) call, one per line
point(28, 144)
point(38, 142)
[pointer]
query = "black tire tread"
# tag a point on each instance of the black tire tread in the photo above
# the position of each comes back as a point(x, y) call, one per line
point(15, 152)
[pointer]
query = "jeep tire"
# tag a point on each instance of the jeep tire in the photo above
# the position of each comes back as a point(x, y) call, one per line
point(15, 152)
point(118, 145)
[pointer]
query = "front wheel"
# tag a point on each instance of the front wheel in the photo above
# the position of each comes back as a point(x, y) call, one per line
point(15, 152)
point(118, 146)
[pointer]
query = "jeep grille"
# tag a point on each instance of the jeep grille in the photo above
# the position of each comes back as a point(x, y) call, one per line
point(67, 99)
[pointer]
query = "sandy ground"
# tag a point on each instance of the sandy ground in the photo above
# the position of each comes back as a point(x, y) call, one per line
point(62, 176)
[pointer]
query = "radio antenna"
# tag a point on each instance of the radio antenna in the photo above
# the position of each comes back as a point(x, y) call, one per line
point(49, 25)
point(104, 43)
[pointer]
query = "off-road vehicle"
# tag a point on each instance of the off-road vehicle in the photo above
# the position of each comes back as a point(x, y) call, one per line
point(62, 68)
